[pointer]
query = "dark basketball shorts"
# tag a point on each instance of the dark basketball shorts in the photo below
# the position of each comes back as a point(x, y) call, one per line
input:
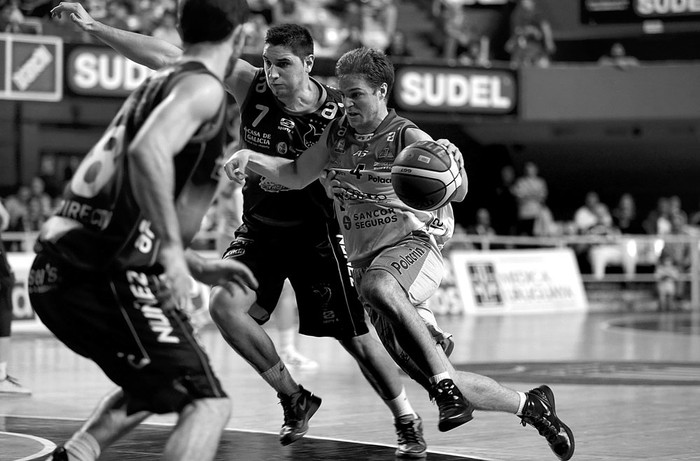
point(116, 321)
point(417, 265)
point(314, 261)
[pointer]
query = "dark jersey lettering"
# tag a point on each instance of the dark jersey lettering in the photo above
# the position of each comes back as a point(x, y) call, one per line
point(98, 224)
point(267, 127)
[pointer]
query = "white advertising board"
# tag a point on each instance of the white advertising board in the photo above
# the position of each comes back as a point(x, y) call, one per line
point(522, 281)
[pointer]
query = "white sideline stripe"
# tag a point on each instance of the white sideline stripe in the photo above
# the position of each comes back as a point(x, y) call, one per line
point(250, 431)
point(48, 445)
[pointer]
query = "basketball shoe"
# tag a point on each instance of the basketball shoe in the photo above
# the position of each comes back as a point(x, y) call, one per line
point(454, 409)
point(410, 435)
point(10, 385)
point(298, 409)
point(539, 412)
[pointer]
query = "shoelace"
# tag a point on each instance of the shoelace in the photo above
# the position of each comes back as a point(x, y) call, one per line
point(287, 402)
point(407, 433)
point(543, 426)
point(446, 392)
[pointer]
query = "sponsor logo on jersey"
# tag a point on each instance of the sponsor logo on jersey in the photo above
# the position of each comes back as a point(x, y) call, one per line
point(286, 124)
point(386, 153)
point(282, 148)
point(85, 214)
point(382, 166)
point(361, 153)
point(339, 147)
point(312, 136)
point(406, 261)
point(269, 186)
point(364, 137)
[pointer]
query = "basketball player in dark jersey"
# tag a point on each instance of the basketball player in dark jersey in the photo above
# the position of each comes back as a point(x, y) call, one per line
point(112, 270)
point(285, 234)
point(395, 249)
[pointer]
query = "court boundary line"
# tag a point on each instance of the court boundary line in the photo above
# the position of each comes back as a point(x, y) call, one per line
point(49, 446)
point(252, 431)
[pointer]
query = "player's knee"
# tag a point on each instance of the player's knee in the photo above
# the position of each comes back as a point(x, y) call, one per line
point(227, 300)
point(377, 289)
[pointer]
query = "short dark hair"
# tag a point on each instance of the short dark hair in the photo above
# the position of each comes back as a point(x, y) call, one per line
point(211, 20)
point(293, 36)
point(372, 64)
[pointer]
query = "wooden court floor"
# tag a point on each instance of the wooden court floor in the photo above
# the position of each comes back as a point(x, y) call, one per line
point(628, 384)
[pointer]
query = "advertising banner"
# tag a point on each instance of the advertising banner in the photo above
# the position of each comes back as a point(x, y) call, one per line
point(23, 316)
point(101, 71)
point(455, 90)
point(31, 67)
point(637, 11)
point(522, 281)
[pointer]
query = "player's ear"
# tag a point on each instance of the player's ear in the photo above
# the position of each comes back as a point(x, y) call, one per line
point(239, 36)
point(309, 63)
point(383, 90)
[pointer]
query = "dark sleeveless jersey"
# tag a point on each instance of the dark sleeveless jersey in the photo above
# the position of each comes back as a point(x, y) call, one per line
point(99, 224)
point(267, 127)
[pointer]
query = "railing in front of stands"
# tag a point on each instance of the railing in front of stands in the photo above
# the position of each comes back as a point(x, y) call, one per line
point(630, 252)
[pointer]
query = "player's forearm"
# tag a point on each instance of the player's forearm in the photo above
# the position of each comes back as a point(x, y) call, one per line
point(280, 170)
point(142, 49)
point(153, 180)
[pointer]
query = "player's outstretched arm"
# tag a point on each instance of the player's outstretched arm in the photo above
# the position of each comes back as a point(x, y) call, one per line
point(148, 51)
point(292, 173)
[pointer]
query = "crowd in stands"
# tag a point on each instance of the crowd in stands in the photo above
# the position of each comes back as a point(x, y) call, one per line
point(458, 32)
point(621, 236)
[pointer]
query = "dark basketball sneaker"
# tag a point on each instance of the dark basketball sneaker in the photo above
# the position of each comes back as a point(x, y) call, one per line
point(539, 412)
point(410, 433)
point(298, 410)
point(59, 454)
point(455, 410)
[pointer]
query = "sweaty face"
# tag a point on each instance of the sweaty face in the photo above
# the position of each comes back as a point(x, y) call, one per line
point(364, 106)
point(285, 72)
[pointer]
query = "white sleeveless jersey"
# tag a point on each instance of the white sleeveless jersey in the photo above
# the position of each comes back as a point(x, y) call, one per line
point(371, 215)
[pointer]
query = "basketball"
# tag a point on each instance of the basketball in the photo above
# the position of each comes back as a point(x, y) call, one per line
point(424, 176)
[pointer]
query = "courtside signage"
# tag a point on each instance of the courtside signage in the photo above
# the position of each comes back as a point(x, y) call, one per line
point(101, 71)
point(630, 11)
point(523, 281)
point(450, 89)
point(31, 67)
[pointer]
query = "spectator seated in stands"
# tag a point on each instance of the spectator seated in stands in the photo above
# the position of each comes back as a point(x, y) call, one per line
point(594, 218)
point(13, 21)
point(618, 57)
point(531, 42)
point(667, 278)
point(482, 226)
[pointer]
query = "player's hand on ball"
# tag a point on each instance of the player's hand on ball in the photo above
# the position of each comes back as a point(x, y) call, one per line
point(453, 151)
point(236, 164)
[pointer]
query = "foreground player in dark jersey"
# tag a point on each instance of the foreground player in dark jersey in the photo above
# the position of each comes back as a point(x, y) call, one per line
point(112, 271)
point(396, 258)
point(286, 234)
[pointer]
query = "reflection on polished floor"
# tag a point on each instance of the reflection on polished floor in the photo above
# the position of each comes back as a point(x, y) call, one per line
point(628, 384)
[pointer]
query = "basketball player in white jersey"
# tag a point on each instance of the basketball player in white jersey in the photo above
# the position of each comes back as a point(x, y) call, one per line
point(395, 250)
